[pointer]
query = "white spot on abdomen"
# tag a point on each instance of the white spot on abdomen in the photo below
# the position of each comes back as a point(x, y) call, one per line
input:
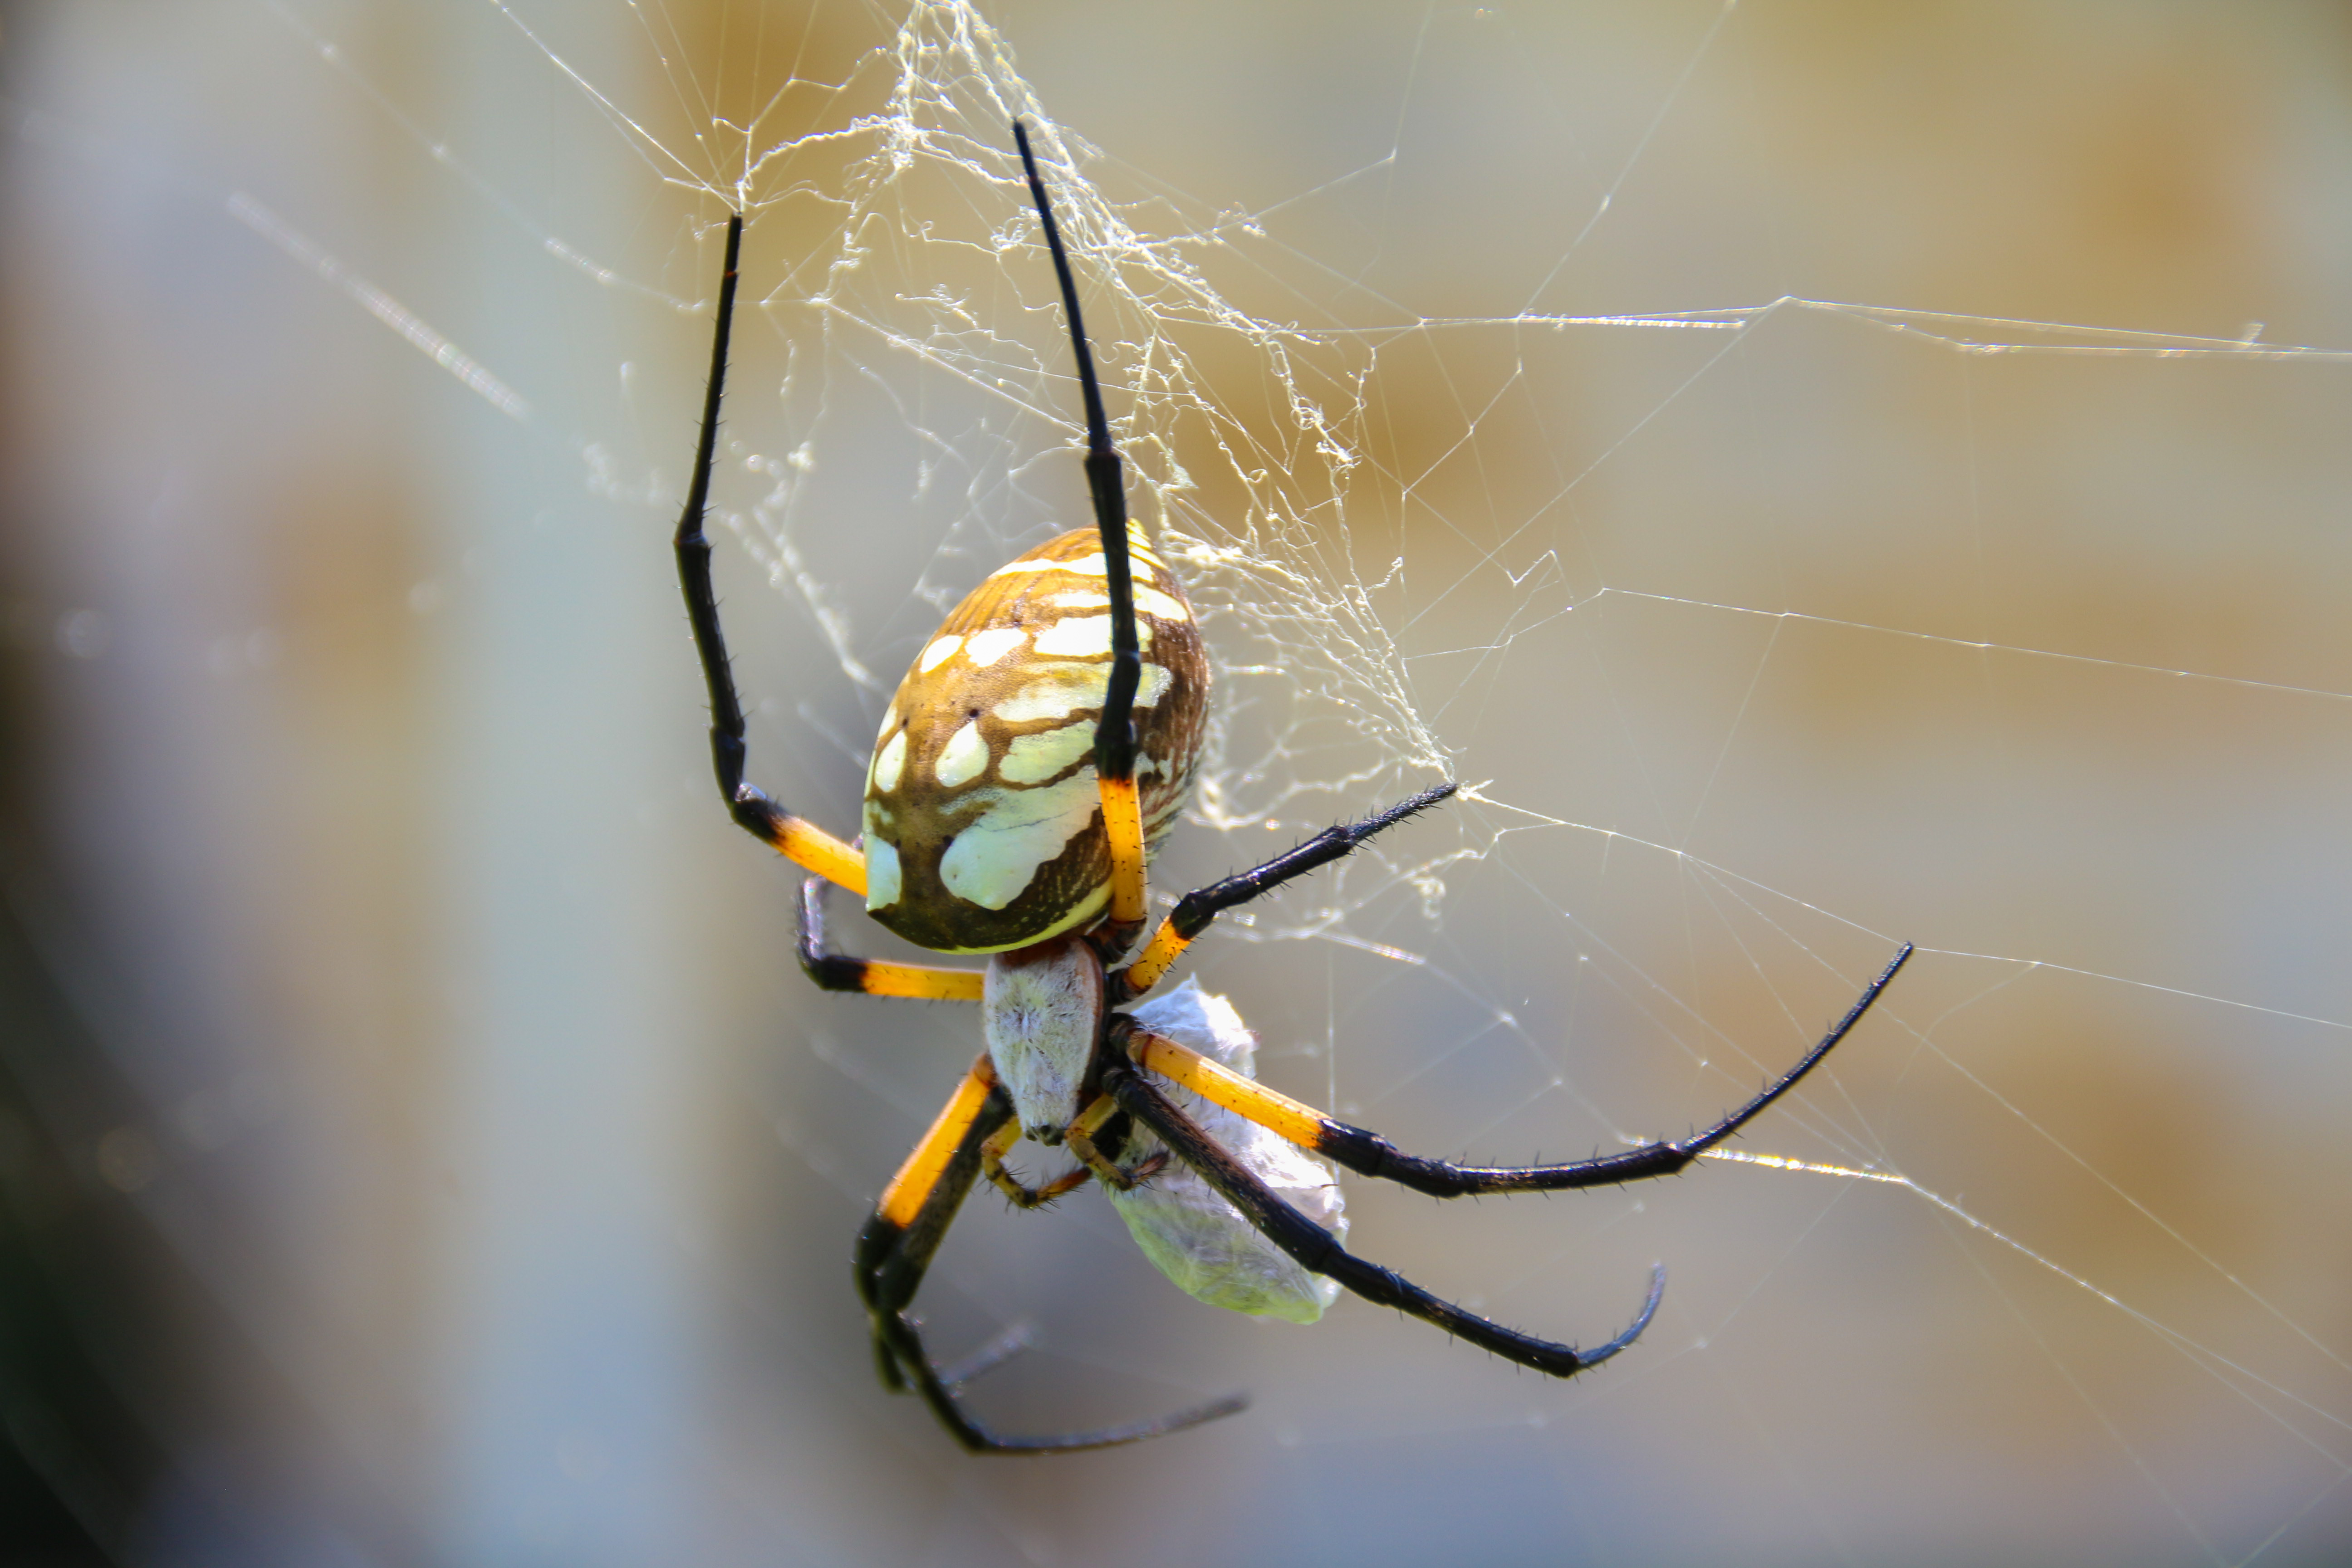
point(938, 653)
point(887, 761)
point(1058, 692)
point(964, 758)
point(989, 862)
point(881, 873)
point(1084, 636)
point(984, 649)
point(1150, 600)
point(1083, 566)
point(1032, 759)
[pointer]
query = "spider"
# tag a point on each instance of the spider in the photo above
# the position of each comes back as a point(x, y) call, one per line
point(1039, 750)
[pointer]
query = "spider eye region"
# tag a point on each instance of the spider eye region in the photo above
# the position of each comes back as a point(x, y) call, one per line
point(982, 817)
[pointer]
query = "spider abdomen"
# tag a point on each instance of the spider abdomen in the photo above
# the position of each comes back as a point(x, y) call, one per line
point(982, 821)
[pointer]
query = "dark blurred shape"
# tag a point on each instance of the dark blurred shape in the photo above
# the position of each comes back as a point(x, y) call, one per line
point(84, 1367)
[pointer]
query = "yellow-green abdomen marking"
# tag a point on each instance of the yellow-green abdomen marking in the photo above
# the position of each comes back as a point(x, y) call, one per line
point(983, 828)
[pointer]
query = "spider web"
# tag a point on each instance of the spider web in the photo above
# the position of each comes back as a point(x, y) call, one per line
point(1765, 635)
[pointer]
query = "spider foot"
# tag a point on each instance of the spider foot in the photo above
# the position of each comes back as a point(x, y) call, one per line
point(1127, 1179)
point(940, 1387)
point(989, 1357)
point(1018, 1193)
point(1649, 1310)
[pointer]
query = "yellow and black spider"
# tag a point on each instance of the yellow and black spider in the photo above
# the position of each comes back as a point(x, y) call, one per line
point(1036, 754)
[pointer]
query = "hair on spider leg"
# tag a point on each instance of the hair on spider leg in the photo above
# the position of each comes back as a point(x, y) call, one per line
point(1039, 750)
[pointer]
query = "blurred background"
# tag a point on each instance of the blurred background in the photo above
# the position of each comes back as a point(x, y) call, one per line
point(419, 1147)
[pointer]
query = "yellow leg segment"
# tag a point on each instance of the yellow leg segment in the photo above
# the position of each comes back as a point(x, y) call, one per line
point(839, 971)
point(998, 1144)
point(1279, 1113)
point(903, 1199)
point(1123, 826)
point(1152, 965)
point(919, 981)
point(811, 847)
point(1081, 1141)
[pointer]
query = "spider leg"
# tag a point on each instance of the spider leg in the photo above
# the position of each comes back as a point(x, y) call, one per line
point(838, 972)
point(1314, 1249)
point(1195, 910)
point(1080, 1137)
point(1370, 1154)
point(999, 1144)
point(895, 1247)
point(989, 1357)
point(797, 840)
point(1115, 731)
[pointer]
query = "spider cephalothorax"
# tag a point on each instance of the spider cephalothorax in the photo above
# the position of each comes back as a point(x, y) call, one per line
point(1043, 743)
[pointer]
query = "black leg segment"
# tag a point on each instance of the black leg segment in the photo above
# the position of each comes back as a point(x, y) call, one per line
point(1196, 909)
point(1314, 1249)
point(1115, 731)
point(891, 1260)
point(1370, 1154)
point(754, 812)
